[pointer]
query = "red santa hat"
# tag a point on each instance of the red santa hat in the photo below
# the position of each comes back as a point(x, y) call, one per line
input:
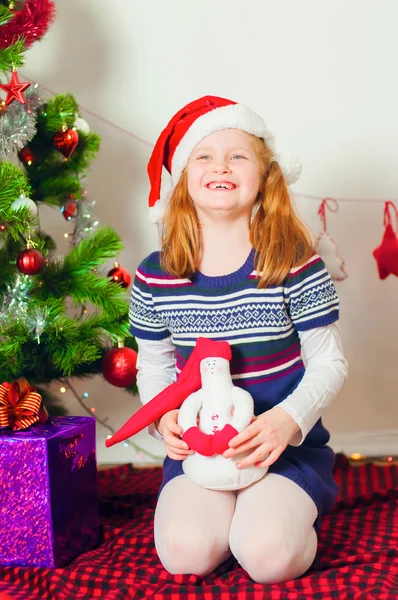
point(188, 127)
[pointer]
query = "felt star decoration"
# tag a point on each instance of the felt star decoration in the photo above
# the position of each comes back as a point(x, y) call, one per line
point(15, 89)
point(386, 254)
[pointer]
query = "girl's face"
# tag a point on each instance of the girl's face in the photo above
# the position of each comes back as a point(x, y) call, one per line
point(224, 174)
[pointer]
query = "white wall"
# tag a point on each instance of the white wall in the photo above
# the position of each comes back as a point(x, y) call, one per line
point(323, 75)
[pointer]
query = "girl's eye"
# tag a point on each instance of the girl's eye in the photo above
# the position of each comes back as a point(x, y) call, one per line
point(204, 157)
point(237, 156)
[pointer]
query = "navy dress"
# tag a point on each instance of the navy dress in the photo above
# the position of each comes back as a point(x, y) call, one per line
point(262, 328)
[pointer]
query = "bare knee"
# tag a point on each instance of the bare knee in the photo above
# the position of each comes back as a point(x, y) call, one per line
point(275, 560)
point(197, 554)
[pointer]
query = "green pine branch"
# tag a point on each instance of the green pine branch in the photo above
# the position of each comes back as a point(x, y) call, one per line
point(12, 57)
point(5, 15)
point(12, 183)
point(57, 112)
point(46, 334)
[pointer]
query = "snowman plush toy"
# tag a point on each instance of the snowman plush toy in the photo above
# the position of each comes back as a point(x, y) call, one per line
point(212, 412)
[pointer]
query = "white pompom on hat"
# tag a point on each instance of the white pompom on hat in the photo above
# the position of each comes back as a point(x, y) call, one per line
point(187, 128)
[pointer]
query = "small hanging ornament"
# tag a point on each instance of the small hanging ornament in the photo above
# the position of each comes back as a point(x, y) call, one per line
point(66, 141)
point(26, 156)
point(30, 261)
point(386, 254)
point(119, 366)
point(81, 125)
point(69, 208)
point(326, 247)
point(120, 276)
point(24, 201)
point(15, 89)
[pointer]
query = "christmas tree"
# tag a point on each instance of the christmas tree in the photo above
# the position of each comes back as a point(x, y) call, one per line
point(59, 316)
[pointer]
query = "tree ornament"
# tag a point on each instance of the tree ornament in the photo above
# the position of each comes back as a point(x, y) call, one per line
point(18, 123)
point(26, 156)
point(69, 208)
point(119, 366)
point(24, 201)
point(120, 276)
point(326, 247)
point(30, 261)
point(81, 125)
point(386, 254)
point(15, 89)
point(66, 141)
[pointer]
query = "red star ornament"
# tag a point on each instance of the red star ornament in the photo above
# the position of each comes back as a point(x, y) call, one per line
point(15, 89)
point(386, 254)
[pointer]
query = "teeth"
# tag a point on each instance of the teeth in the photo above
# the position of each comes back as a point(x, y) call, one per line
point(220, 186)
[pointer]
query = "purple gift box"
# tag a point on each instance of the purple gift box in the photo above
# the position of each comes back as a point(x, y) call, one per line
point(49, 504)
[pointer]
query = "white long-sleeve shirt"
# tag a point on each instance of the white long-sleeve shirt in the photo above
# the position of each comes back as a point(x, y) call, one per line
point(322, 353)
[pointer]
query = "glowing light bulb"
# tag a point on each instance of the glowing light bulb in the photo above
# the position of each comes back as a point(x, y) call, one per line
point(85, 395)
point(125, 445)
point(92, 409)
point(66, 235)
point(62, 390)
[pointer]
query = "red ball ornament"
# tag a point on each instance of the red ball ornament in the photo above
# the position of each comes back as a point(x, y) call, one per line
point(66, 141)
point(69, 208)
point(120, 276)
point(30, 261)
point(26, 156)
point(119, 366)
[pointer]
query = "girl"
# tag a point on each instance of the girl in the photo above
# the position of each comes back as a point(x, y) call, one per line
point(236, 264)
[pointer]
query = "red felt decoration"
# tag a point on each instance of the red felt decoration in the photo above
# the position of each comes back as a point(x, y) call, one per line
point(66, 141)
point(30, 261)
point(120, 276)
point(30, 23)
point(119, 366)
point(26, 156)
point(69, 208)
point(386, 254)
point(15, 89)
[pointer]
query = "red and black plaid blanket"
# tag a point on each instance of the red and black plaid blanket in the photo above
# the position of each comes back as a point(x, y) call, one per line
point(357, 556)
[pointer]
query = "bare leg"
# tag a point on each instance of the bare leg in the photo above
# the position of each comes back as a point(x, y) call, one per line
point(272, 534)
point(192, 527)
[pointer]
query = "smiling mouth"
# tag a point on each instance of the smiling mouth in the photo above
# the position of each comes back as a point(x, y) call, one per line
point(221, 186)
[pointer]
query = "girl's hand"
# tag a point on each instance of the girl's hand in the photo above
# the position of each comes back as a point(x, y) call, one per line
point(171, 431)
point(268, 435)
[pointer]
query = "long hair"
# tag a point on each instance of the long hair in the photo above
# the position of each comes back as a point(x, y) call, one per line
point(279, 237)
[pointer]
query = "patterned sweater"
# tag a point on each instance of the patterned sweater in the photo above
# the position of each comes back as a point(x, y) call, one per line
point(261, 325)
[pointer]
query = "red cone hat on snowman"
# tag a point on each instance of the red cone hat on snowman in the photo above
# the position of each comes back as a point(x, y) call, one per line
point(173, 396)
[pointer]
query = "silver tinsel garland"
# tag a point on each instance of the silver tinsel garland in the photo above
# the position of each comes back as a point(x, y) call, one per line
point(14, 304)
point(86, 221)
point(18, 123)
